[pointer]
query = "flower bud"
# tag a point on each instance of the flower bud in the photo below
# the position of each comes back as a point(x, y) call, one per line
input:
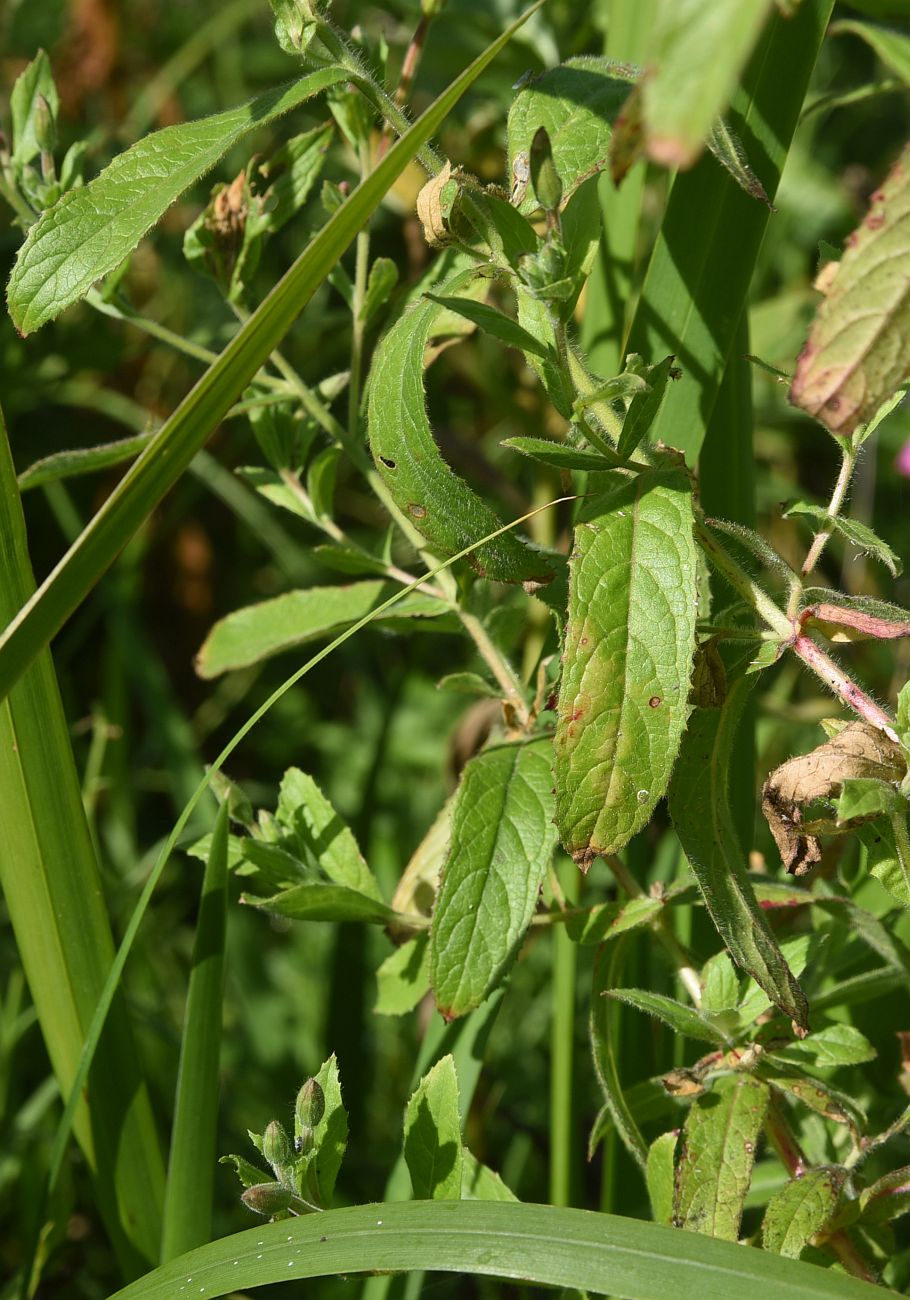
point(277, 1149)
point(309, 1109)
point(267, 1198)
point(45, 127)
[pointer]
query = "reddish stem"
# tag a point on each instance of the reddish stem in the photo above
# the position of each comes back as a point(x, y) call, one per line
point(843, 687)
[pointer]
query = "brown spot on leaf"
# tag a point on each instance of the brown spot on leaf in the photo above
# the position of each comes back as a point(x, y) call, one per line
point(654, 701)
point(417, 511)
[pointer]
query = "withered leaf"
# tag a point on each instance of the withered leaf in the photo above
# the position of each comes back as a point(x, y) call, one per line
point(859, 750)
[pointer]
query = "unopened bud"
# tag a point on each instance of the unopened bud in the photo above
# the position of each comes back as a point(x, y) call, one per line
point(309, 1109)
point(276, 1147)
point(267, 1198)
point(45, 127)
point(544, 176)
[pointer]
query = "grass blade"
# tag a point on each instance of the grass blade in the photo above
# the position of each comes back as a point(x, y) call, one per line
point(50, 883)
point(712, 230)
point(542, 1244)
point(191, 1167)
point(162, 463)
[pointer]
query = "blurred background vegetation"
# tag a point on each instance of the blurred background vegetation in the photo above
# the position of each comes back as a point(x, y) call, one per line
point(369, 723)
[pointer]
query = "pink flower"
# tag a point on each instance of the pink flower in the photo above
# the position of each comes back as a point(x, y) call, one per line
point(902, 460)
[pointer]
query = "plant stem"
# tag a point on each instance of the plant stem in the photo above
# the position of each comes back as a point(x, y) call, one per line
point(820, 541)
point(843, 686)
point(682, 961)
point(562, 1045)
point(499, 666)
point(743, 583)
point(361, 270)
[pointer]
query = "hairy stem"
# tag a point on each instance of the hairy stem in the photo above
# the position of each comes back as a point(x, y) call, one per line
point(743, 583)
point(835, 506)
point(843, 686)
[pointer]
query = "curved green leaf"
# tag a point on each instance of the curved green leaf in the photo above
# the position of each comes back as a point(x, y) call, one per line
point(716, 1156)
point(321, 834)
point(318, 902)
point(246, 636)
point(502, 840)
point(440, 505)
point(700, 808)
point(90, 230)
point(603, 1029)
point(891, 45)
point(680, 1018)
point(854, 531)
point(801, 1209)
point(858, 350)
point(539, 1244)
point(628, 652)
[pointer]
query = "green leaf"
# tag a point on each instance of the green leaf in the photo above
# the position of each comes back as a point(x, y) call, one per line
point(320, 902)
point(608, 920)
point(381, 281)
point(190, 1177)
point(643, 408)
point(576, 103)
point(249, 635)
point(801, 1209)
point(330, 1136)
point(90, 230)
point(469, 684)
point(248, 1174)
point(623, 699)
point(887, 1198)
point(717, 1154)
point(502, 840)
point(293, 171)
point(853, 618)
point(817, 1096)
point(700, 809)
point(440, 505)
point(559, 455)
point(321, 834)
point(603, 1029)
point(695, 55)
point(432, 1135)
point(829, 1048)
point(720, 984)
point(888, 850)
point(890, 44)
point(858, 534)
point(36, 79)
point(493, 322)
point(680, 1018)
point(660, 1176)
point(542, 1245)
point(863, 796)
point(754, 543)
point(480, 1183)
point(205, 406)
point(857, 352)
point(403, 978)
point(795, 952)
point(82, 460)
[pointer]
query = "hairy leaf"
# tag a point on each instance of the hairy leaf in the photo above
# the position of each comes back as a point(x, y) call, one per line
point(249, 635)
point(432, 1135)
point(834, 1046)
point(502, 839)
point(623, 699)
point(717, 1154)
point(858, 534)
point(89, 231)
point(700, 809)
point(853, 618)
point(493, 322)
point(801, 1209)
point(318, 902)
point(680, 1018)
point(887, 1198)
point(608, 920)
point(37, 79)
point(330, 1135)
point(559, 455)
point(858, 350)
point(440, 505)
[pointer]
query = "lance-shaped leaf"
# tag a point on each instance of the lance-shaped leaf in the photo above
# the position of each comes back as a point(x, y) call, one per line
point(502, 839)
point(694, 58)
point(717, 1154)
point(854, 532)
point(559, 455)
point(680, 1018)
point(246, 636)
point(801, 1209)
point(603, 1028)
point(92, 229)
point(320, 835)
point(887, 1198)
point(432, 1135)
point(700, 809)
point(440, 505)
point(34, 83)
point(628, 654)
point(660, 1176)
point(319, 902)
point(858, 351)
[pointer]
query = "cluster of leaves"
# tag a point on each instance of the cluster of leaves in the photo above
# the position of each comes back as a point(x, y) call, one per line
point(640, 677)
